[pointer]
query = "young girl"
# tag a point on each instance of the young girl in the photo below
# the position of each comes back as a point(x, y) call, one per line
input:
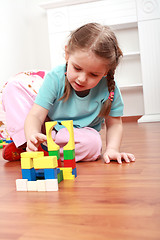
point(82, 90)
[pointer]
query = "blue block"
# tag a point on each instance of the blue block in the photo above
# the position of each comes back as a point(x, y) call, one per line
point(50, 173)
point(9, 141)
point(74, 172)
point(29, 174)
point(58, 170)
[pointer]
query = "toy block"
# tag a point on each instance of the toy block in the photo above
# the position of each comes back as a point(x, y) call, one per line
point(60, 176)
point(21, 184)
point(69, 154)
point(29, 174)
point(74, 172)
point(8, 141)
point(57, 154)
point(41, 186)
point(54, 153)
point(50, 173)
point(32, 186)
point(67, 173)
point(26, 163)
point(70, 163)
point(32, 154)
point(39, 173)
point(45, 162)
point(52, 146)
point(51, 185)
point(59, 163)
point(69, 125)
point(3, 143)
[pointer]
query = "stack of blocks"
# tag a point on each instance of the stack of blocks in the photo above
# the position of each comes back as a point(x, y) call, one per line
point(43, 173)
point(4, 142)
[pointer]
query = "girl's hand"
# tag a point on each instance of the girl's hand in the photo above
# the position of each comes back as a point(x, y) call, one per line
point(112, 154)
point(34, 141)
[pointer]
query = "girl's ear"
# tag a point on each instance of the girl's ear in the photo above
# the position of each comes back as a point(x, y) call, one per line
point(66, 53)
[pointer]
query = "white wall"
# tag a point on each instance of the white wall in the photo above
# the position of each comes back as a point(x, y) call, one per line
point(24, 43)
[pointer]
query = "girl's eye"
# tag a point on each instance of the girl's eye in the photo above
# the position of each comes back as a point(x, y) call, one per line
point(94, 75)
point(76, 68)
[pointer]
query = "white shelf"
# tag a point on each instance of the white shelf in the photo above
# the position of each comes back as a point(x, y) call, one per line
point(131, 54)
point(123, 25)
point(131, 86)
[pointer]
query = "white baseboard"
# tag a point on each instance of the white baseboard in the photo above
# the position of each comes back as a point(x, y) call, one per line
point(149, 118)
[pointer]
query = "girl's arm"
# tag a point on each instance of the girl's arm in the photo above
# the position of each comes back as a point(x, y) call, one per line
point(33, 125)
point(114, 132)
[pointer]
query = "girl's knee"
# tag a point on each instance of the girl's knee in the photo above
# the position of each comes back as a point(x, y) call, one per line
point(92, 141)
point(88, 145)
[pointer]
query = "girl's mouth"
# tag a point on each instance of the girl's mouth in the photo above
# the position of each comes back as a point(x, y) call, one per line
point(79, 85)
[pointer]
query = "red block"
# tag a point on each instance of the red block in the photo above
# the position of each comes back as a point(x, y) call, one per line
point(59, 163)
point(70, 163)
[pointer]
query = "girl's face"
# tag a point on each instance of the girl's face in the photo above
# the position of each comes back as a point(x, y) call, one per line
point(85, 70)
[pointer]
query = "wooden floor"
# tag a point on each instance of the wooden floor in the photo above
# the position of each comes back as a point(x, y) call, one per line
point(105, 202)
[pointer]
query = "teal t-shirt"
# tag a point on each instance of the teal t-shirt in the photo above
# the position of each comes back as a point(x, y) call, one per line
point(82, 110)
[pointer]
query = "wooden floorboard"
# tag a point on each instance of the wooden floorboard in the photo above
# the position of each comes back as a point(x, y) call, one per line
point(111, 201)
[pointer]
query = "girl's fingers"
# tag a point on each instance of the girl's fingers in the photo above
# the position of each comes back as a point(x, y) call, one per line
point(31, 147)
point(128, 157)
point(33, 139)
point(41, 137)
point(131, 157)
point(119, 159)
point(106, 159)
point(125, 157)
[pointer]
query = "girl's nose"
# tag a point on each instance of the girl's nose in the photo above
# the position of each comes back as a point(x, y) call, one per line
point(82, 78)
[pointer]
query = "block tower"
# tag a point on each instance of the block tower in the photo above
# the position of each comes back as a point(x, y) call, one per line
point(68, 149)
point(43, 173)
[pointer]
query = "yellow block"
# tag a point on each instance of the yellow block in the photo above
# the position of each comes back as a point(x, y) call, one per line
point(69, 125)
point(32, 154)
point(52, 146)
point(45, 162)
point(67, 173)
point(26, 163)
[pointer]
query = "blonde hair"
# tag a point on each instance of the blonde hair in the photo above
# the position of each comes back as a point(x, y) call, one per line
point(102, 41)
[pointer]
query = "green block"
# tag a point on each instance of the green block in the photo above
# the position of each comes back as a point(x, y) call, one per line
point(69, 154)
point(1, 141)
point(55, 153)
point(60, 176)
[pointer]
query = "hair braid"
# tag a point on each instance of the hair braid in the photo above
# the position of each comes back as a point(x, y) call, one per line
point(111, 87)
point(110, 81)
point(105, 110)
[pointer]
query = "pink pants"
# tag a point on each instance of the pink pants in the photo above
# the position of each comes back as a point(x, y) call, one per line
point(17, 99)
